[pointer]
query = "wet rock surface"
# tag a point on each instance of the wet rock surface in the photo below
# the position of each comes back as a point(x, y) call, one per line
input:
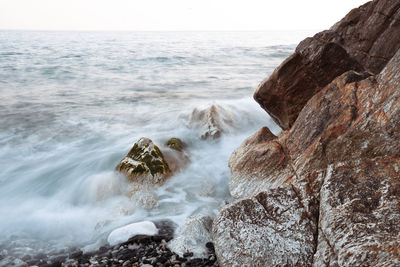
point(341, 157)
point(345, 158)
point(138, 251)
point(270, 229)
point(365, 40)
point(176, 144)
point(144, 164)
point(211, 122)
point(175, 154)
point(147, 167)
point(194, 235)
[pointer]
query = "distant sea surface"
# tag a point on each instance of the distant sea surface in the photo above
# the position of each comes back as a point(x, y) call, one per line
point(72, 104)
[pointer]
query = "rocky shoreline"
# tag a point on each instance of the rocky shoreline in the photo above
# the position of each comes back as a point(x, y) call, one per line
point(324, 192)
point(140, 250)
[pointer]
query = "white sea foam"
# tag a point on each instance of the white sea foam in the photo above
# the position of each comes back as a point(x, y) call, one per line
point(68, 120)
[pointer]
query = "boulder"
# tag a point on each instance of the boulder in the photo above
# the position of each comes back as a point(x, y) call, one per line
point(126, 232)
point(193, 235)
point(212, 121)
point(145, 164)
point(344, 154)
point(175, 154)
point(146, 167)
point(175, 144)
point(338, 161)
point(259, 163)
point(270, 229)
point(365, 40)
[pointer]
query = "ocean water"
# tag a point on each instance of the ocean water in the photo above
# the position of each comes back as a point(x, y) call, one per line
point(72, 104)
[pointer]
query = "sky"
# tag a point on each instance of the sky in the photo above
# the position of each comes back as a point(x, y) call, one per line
point(173, 15)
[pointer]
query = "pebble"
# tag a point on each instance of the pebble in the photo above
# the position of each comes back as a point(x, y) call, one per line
point(141, 251)
point(126, 263)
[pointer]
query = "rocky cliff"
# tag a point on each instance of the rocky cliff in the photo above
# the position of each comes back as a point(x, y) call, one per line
point(326, 190)
point(364, 40)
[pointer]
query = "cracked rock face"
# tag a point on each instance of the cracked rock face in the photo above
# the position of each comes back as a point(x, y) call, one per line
point(366, 39)
point(341, 159)
point(269, 229)
point(345, 153)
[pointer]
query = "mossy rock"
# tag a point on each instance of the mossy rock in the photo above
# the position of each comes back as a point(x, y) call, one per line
point(144, 163)
point(176, 144)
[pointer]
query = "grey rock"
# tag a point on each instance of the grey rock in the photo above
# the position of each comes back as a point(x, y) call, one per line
point(211, 122)
point(270, 229)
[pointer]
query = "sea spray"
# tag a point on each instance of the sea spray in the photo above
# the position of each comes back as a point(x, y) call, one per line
point(73, 104)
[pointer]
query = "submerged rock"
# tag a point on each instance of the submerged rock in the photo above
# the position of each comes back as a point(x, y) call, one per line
point(144, 197)
point(212, 122)
point(145, 164)
point(146, 168)
point(365, 39)
point(176, 144)
point(175, 154)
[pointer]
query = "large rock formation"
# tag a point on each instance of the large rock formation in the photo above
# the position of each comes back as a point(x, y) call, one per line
point(340, 157)
point(259, 163)
point(364, 40)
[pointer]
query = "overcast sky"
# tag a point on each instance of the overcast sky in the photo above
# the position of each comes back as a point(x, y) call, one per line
point(173, 14)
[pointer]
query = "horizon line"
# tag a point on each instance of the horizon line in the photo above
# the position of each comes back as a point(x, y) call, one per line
point(219, 30)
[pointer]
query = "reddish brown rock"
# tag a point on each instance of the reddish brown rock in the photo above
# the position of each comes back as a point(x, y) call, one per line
point(344, 151)
point(259, 163)
point(364, 40)
point(336, 169)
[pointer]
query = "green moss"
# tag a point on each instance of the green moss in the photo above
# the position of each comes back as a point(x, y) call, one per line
point(176, 144)
point(150, 160)
point(139, 169)
point(156, 162)
point(135, 150)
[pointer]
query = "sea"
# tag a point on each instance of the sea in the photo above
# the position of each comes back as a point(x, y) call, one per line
point(72, 104)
